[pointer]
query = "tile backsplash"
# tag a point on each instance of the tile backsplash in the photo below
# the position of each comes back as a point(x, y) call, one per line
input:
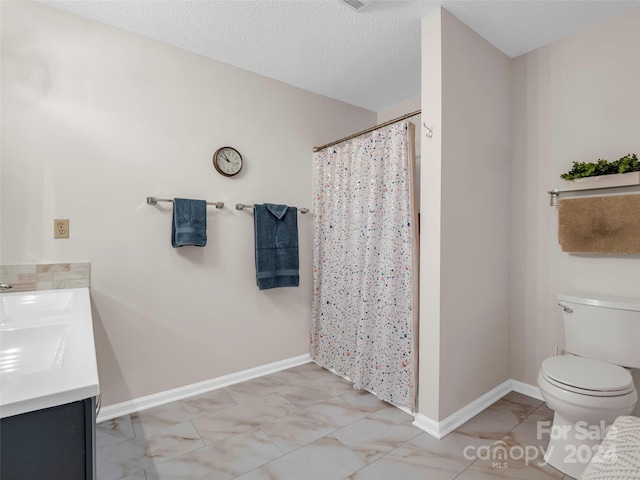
point(45, 276)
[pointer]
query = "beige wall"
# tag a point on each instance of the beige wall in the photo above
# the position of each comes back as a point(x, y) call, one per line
point(475, 227)
point(408, 106)
point(505, 130)
point(430, 219)
point(402, 108)
point(94, 120)
point(465, 242)
point(577, 99)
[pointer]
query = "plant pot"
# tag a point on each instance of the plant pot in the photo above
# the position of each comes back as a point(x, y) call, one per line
point(604, 181)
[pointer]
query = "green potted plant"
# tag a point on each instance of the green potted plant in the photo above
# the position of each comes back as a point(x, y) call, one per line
point(603, 174)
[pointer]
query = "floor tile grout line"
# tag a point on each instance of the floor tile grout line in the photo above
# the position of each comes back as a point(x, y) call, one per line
point(216, 412)
point(382, 456)
point(494, 442)
point(274, 443)
point(387, 405)
point(143, 470)
point(284, 454)
point(192, 416)
point(335, 429)
point(226, 407)
point(275, 420)
point(190, 420)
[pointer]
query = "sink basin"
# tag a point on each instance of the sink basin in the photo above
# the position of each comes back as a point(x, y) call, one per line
point(32, 349)
point(35, 303)
point(47, 350)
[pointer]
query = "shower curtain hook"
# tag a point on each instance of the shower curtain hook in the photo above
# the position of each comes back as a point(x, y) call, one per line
point(429, 132)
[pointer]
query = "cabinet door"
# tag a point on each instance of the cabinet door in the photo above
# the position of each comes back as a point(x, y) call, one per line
point(54, 443)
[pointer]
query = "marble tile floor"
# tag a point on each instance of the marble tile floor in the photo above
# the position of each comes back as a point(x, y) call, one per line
point(306, 423)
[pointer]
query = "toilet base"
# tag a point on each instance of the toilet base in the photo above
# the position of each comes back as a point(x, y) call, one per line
point(572, 444)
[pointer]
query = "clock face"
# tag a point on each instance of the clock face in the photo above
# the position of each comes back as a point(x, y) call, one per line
point(228, 161)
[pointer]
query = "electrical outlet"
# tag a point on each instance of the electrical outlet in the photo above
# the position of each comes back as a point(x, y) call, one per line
point(60, 228)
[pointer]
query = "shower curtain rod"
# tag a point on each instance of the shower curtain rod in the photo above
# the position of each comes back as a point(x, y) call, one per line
point(390, 122)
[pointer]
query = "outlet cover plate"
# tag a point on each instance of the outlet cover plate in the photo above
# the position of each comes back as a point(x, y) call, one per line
point(60, 228)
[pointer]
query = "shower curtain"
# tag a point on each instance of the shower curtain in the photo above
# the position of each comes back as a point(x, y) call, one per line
point(365, 265)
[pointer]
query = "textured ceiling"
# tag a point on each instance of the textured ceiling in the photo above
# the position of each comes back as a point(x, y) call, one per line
point(369, 58)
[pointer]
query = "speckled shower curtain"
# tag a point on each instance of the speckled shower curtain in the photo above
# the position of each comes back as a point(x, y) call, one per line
point(365, 265)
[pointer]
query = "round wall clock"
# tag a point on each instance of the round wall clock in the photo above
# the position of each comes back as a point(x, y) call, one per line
point(228, 161)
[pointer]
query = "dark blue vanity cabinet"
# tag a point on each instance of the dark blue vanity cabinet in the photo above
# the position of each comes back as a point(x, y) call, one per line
point(56, 443)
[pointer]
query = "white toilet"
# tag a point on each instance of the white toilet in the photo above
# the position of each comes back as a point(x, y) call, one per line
point(588, 388)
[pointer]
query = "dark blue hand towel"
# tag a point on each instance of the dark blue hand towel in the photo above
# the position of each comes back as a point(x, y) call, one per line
point(189, 225)
point(276, 241)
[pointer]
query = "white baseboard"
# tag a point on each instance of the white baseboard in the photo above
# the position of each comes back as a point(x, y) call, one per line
point(149, 401)
point(526, 389)
point(453, 421)
point(432, 427)
point(428, 425)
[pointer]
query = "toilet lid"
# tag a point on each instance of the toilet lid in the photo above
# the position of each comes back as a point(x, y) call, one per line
point(587, 374)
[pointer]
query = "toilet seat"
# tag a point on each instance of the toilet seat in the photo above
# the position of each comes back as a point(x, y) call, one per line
point(586, 376)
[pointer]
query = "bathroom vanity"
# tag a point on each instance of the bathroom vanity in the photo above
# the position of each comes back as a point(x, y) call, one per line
point(48, 385)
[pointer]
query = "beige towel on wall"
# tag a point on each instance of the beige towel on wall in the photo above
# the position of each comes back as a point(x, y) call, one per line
point(600, 224)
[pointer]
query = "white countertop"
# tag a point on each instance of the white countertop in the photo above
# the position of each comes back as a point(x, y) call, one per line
point(47, 350)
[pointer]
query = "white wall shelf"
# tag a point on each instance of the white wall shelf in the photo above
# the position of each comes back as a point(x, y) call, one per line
point(602, 182)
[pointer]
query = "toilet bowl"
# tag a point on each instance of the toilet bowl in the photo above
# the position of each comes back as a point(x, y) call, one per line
point(586, 395)
point(587, 391)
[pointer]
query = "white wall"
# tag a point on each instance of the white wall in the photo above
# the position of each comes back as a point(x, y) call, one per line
point(94, 120)
point(465, 213)
point(577, 99)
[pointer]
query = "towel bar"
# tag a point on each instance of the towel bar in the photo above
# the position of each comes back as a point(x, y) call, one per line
point(154, 200)
point(242, 206)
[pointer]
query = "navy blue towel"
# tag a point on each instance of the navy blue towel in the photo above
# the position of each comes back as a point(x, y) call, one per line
point(276, 241)
point(189, 225)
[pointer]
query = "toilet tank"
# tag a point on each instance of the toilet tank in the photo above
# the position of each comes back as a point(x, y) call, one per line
point(602, 327)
